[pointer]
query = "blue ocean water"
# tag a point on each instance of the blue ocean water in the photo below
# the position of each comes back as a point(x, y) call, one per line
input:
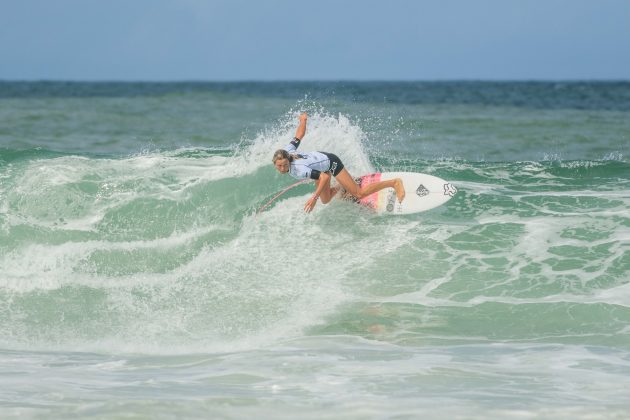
point(136, 279)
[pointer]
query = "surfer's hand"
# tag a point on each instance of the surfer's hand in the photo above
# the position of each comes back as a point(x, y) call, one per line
point(303, 117)
point(310, 204)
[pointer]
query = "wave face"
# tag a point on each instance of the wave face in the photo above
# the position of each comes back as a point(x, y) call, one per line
point(117, 266)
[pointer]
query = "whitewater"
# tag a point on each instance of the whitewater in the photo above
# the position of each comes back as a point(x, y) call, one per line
point(137, 279)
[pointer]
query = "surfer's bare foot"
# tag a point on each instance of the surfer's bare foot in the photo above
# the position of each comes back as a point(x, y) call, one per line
point(400, 190)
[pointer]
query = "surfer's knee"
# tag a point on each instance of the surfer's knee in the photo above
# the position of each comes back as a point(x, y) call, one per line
point(359, 194)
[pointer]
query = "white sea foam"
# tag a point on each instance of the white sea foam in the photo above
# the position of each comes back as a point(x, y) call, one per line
point(239, 292)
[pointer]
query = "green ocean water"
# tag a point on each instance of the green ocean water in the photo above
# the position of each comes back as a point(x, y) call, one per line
point(137, 281)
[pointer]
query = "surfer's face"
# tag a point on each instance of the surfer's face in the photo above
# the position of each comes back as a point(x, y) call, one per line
point(282, 165)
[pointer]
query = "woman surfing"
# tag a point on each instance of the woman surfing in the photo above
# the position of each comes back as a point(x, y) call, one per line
point(321, 166)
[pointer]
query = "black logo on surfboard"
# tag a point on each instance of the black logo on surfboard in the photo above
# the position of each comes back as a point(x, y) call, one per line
point(421, 191)
point(449, 189)
point(391, 202)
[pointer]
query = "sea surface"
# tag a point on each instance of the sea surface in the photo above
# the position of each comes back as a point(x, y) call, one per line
point(138, 281)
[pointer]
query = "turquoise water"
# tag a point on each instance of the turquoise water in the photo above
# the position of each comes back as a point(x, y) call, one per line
point(137, 281)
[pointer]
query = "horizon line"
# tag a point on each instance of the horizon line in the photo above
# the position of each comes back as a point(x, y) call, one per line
point(340, 80)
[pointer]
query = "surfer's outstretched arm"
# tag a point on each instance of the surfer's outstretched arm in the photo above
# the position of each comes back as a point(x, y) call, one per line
point(301, 130)
point(323, 190)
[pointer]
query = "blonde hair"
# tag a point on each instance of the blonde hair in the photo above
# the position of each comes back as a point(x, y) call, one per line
point(283, 154)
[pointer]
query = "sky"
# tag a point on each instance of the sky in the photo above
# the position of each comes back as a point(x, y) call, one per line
point(221, 40)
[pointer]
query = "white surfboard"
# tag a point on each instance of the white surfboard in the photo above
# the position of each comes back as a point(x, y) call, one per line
point(422, 192)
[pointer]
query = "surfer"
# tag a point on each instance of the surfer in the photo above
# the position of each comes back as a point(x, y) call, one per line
point(321, 166)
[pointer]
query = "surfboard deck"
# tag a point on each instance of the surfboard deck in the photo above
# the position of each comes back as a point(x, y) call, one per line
point(422, 192)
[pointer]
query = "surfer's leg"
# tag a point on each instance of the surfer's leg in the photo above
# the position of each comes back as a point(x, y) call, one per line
point(327, 193)
point(351, 187)
point(400, 189)
point(333, 192)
